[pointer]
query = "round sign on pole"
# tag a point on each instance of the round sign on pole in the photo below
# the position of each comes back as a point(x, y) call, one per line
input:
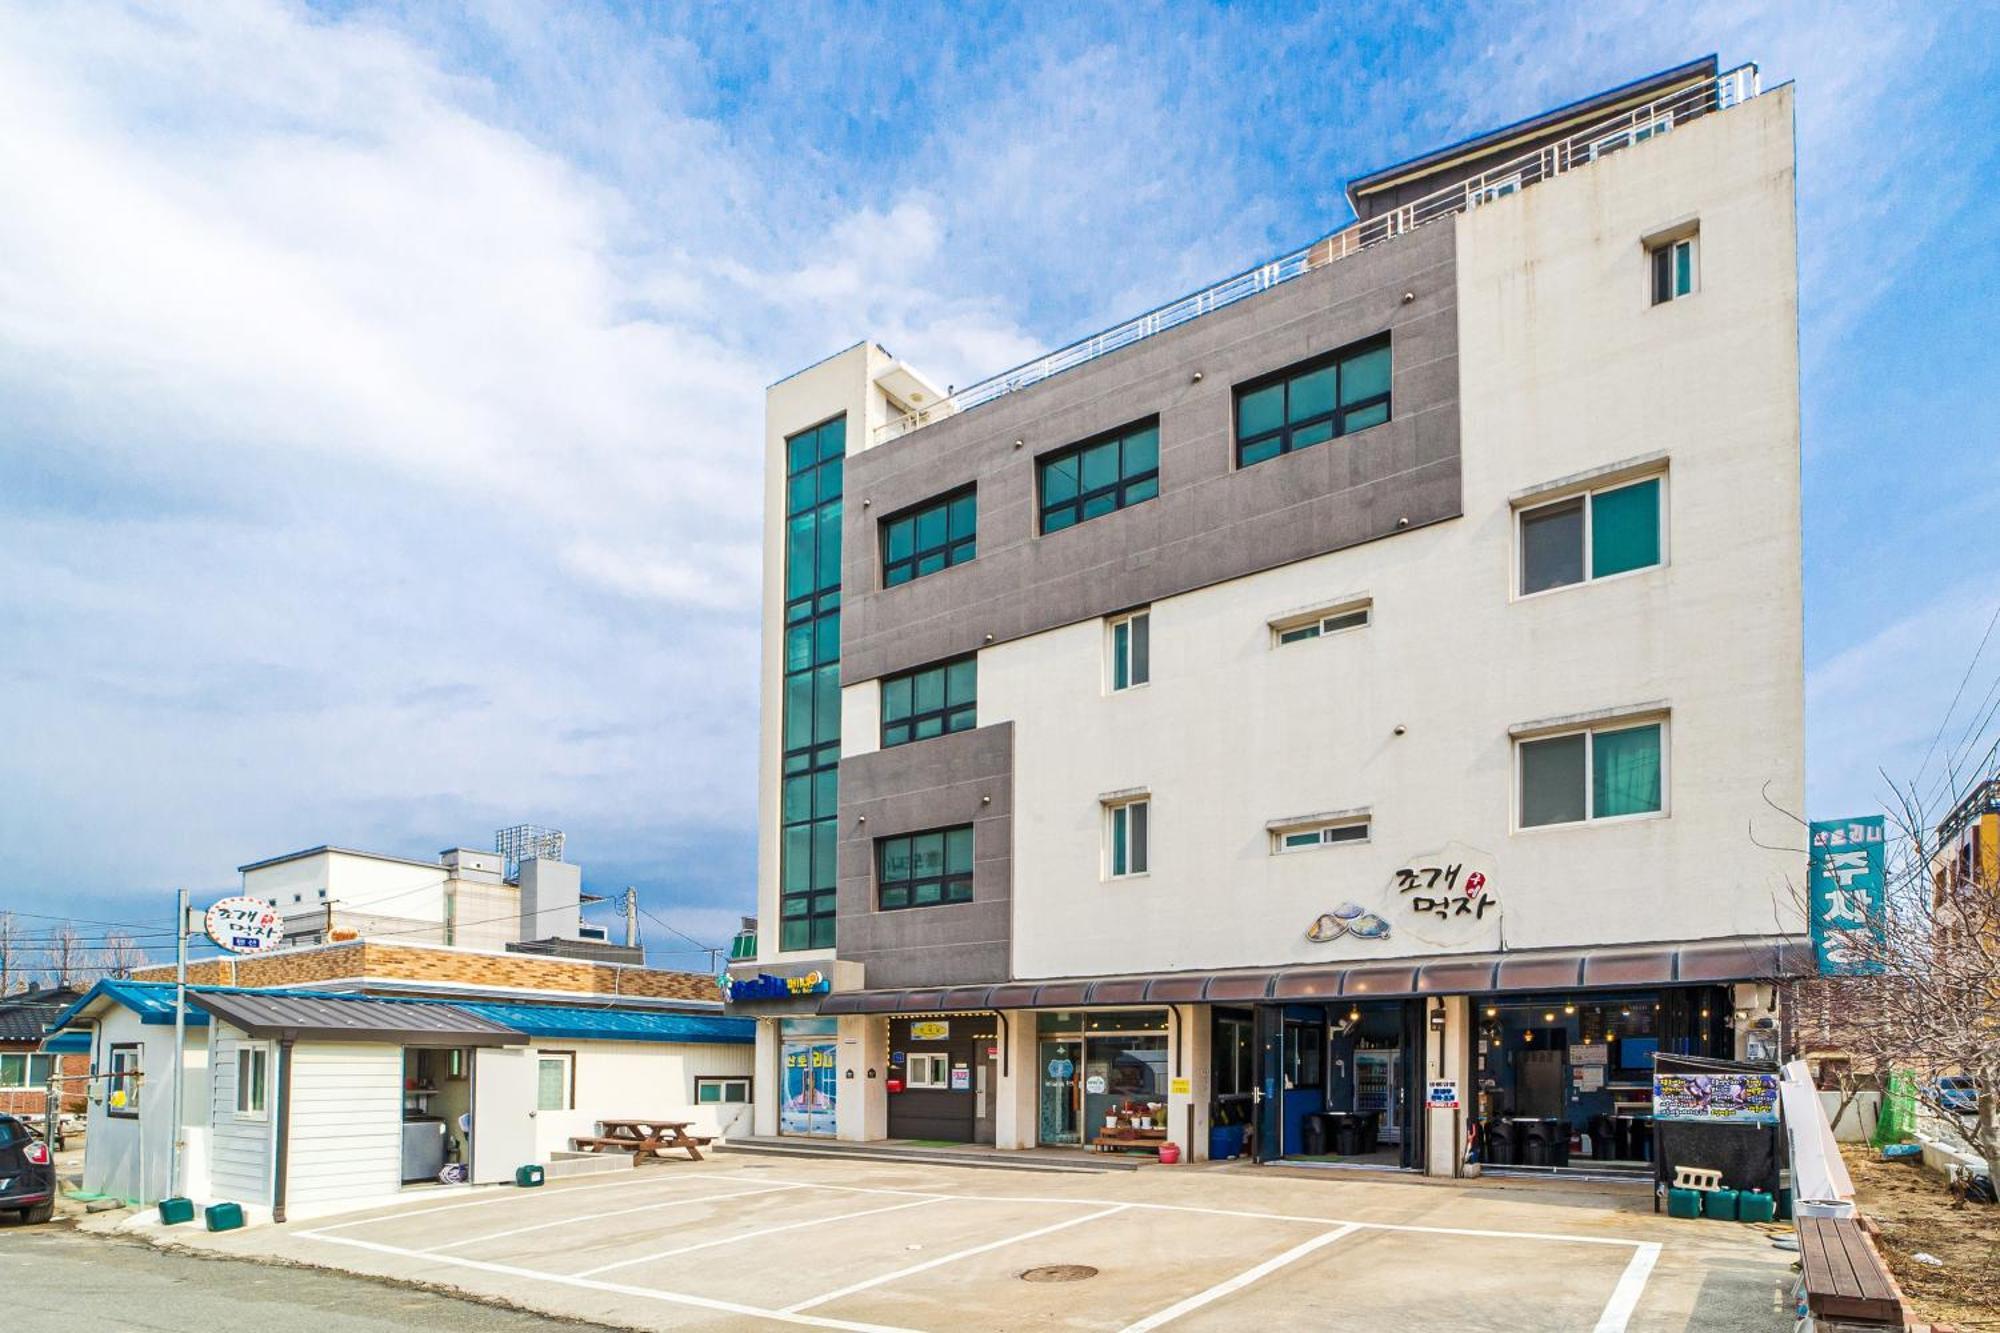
point(244, 925)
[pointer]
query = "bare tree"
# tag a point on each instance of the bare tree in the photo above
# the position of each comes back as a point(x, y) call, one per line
point(1926, 999)
point(66, 954)
point(11, 959)
point(121, 955)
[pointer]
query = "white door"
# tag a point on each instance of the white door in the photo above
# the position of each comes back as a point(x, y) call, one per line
point(503, 1112)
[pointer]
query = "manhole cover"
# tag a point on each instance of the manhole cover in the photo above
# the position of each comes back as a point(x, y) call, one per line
point(1059, 1273)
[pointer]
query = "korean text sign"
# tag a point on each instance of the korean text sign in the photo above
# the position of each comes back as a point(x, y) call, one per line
point(1846, 886)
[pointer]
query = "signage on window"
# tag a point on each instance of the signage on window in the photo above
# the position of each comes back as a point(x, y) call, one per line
point(1848, 895)
point(244, 925)
point(1445, 899)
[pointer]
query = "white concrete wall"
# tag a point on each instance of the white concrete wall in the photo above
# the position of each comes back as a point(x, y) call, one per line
point(629, 1079)
point(241, 1148)
point(346, 1123)
point(367, 893)
point(1565, 367)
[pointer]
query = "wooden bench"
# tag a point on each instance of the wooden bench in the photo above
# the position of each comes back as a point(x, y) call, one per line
point(1843, 1276)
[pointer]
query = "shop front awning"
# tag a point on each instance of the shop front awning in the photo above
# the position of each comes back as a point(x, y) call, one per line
point(1703, 963)
point(329, 1018)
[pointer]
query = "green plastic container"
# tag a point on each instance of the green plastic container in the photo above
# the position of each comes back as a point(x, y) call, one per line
point(173, 1212)
point(1683, 1203)
point(1755, 1206)
point(1720, 1205)
point(223, 1216)
point(527, 1177)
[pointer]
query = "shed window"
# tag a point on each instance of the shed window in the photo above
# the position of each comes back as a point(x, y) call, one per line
point(252, 1081)
point(555, 1081)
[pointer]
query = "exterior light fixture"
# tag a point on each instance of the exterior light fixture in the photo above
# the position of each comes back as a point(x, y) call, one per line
point(1548, 1018)
point(1354, 1015)
point(1492, 1012)
point(1569, 1008)
point(1528, 1035)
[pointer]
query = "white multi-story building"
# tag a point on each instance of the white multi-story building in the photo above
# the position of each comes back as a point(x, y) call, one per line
point(1378, 673)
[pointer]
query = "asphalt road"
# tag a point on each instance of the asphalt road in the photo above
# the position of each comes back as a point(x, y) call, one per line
point(55, 1281)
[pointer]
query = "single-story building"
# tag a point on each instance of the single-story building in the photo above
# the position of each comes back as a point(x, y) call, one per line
point(25, 1068)
point(298, 1101)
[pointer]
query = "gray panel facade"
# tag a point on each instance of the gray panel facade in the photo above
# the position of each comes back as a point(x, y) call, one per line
point(966, 777)
point(1211, 521)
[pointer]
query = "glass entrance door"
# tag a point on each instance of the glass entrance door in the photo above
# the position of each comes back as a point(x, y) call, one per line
point(1058, 1063)
point(807, 1102)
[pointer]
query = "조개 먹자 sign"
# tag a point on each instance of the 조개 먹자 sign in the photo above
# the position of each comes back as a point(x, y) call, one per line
point(244, 925)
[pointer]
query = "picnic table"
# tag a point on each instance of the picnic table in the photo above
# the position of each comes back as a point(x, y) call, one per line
point(643, 1138)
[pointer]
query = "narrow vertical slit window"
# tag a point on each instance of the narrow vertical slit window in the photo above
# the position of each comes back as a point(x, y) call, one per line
point(1128, 830)
point(1131, 650)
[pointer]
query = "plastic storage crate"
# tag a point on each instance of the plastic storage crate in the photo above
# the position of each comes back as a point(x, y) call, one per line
point(1720, 1205)
point(223, 1216)
point(1683, 1203)
point(175, 1211)
point(527, 1176)
point(1755, 1206)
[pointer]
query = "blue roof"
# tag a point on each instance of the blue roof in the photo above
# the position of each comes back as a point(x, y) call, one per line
point(153, 1001)
point(68, 1043)
point(582, 1023)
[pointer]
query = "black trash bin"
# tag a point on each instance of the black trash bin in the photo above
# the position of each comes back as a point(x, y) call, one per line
point(1559, 1142)
point(1312, 1135)
point(1533, 1137)
point(1602, 1148)
point(1499, 1143)
point(1371, 1130)
point(1347, 1135)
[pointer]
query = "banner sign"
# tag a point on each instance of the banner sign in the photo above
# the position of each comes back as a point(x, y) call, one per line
point(1742, 1099)
point(244, 925)
point(930, 1030)
point(1848, 893)
point(765, 986)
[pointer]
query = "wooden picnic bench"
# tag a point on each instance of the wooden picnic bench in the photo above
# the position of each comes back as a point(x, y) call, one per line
point(643, 1138)
point(1843, 1276)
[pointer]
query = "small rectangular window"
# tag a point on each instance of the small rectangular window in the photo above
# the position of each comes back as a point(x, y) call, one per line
point(1606, 772)
point(252, 1081)
point(712, 1090)
point(1099, 476)
point(1673, 270)
point(924, 869)
point(1131, 650)
point(555, 1081)
point(124, 1088)
point(1316, 624)
point(935, 535)
point(1310, 836)
point(931, 701)
point(927, 1071)
point(1592, 536)
point(1313, 402)
point(1129, 834)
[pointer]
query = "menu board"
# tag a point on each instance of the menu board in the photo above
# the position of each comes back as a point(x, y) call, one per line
point(1744, 1099)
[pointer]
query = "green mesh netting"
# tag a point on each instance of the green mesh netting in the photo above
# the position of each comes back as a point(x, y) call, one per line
point(1899, 1110)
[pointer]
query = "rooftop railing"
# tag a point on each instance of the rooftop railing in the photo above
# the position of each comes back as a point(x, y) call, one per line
point(1600, 140)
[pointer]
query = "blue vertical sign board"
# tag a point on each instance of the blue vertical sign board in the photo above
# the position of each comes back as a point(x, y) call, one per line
point(1847, 891)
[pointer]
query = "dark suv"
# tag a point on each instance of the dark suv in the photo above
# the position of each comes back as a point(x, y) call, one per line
point(27, 1172)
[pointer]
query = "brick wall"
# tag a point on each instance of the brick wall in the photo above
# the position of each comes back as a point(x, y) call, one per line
point(376, 961)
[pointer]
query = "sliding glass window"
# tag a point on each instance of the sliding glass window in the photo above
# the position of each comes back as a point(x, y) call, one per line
point(809, 797)
point(1313, 402)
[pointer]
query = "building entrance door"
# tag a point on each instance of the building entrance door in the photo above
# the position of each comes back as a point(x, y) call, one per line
point(806, 1105)
point(1059, 1063)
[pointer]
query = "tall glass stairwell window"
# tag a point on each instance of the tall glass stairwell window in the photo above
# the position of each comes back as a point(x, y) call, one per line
point(813, 462)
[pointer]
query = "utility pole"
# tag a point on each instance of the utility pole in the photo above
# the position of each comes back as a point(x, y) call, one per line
point(631, 917)
point(180, 1039)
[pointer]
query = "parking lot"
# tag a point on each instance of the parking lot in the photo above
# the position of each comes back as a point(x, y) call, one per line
point(745, 1243)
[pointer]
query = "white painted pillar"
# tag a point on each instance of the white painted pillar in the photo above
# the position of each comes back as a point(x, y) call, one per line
point(769, 1071)
point(1445, 1059)
point(1187, 1113)
point(1016, 1096)
point(861, 1109)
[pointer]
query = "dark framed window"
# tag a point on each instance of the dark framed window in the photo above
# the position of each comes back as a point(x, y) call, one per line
point(1612, 772)
point(1593, 535)
point(815, 462)
point(924, 869)
point(127, 1074)
point(1673, 270)
point(1313, 402)
point(918, 705)
point(1092, 479)
point(935, 535)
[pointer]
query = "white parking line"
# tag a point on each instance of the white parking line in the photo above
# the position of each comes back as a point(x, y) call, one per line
point(1241, 1280)
point(613, 1288)
point(1631, 1285)
point(753, 1235)
point(505, 1196)
point(941, 1260)
point(616, 1212)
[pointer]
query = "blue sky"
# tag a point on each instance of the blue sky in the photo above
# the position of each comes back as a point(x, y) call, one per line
point(380, 386)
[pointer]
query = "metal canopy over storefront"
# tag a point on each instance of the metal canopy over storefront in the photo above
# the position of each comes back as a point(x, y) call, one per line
point(312, 1018)
point(1686, 964)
